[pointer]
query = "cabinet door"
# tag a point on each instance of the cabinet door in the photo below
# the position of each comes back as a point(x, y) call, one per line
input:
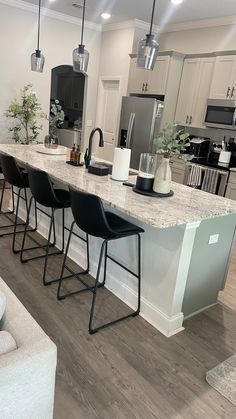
point(137, 78)
point(177, 170)
point(187, 91)
point(223, 77)
point(231, 191)
point(157, 79)
point(202, 92)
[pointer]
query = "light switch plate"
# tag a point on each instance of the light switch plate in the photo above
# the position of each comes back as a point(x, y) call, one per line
point(214, 238)
point(89, 122)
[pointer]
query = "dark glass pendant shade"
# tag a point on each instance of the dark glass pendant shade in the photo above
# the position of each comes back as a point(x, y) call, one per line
point(37, 58)
point(80, 54)
point(80, 59)
point(37, 61)
point(147, 52)
point(148, 48)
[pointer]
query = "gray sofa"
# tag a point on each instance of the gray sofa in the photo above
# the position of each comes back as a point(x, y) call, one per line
point(27, 374)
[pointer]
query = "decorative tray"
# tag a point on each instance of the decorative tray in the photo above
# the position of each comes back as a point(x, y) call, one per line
point(152, 193)
point(58, 151)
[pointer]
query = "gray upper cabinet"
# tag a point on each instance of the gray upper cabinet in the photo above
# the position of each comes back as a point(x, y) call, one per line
point(149, 82)
point(194, 91)
point(224, 78)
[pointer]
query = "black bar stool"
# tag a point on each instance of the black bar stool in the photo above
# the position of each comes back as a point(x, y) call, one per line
point(44, 194)
point(3, 188)
point(90, 217)
point(16, 177)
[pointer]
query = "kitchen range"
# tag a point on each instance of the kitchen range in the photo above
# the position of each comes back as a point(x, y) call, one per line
point(211, 165)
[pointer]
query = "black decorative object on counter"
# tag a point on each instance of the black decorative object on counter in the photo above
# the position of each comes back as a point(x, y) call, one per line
point(74, 164)
point(152, 193)
point(98, 169)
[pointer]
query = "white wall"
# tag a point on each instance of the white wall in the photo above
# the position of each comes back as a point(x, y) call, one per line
point(115, 60)
point(18, 40)
point(200, 40)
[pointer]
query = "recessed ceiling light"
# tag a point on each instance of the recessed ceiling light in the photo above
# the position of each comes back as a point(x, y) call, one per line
point(176, 1)
point(105, 15)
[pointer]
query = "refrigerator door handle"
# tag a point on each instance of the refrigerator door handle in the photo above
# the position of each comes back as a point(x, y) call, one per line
point(130, 129)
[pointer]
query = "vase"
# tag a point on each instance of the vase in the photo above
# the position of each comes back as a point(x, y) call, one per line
point(162, 181)
point(51, 140)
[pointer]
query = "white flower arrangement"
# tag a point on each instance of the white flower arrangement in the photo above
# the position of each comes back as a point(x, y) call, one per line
point(56, 117)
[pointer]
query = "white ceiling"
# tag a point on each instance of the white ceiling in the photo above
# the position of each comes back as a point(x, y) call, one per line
point(166, 12)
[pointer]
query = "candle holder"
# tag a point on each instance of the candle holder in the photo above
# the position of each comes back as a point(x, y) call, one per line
point(146, 174)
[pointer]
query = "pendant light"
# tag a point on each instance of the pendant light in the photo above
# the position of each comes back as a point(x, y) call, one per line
point(37, 58)
point(81, 55)
point(148, 48)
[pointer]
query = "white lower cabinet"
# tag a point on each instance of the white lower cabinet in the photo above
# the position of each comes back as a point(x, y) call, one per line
point(178, 170)
point(231, 187)
point(231, 191)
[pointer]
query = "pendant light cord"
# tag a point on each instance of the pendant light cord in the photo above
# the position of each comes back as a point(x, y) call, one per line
point(39, 16)
point(82, 30)
point(153, 11)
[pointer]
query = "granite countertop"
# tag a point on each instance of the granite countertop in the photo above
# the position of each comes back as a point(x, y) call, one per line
point(186, 206)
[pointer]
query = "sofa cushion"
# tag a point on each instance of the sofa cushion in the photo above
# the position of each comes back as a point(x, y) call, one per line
point(2, 304)
point(7, 342)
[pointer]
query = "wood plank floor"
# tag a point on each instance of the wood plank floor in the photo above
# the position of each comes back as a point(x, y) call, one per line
point(129, 371)
point(227, 297)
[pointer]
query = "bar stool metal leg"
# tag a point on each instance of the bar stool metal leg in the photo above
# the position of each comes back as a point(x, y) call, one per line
point(138, 276)
point(61, 296)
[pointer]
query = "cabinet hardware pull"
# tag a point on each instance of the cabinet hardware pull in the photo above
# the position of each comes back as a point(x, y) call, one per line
point(187, 119)
point(233, 90)
point(146, 87)
point(228, 92)
point(143, 88)
point(190, 119)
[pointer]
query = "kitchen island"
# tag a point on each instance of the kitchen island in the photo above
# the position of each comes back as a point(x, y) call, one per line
point(186, 245)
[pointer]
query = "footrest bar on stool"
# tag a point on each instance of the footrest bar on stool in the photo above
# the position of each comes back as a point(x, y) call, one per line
point(92, 331)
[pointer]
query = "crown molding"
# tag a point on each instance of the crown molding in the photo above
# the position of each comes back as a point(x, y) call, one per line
point(129, 24)
point(20, 4)
point(199, 24)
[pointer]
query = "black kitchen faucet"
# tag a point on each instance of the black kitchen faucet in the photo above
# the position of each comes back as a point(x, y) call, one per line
point(88, 153)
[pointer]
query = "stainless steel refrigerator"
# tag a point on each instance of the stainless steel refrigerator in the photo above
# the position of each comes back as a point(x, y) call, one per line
point(139, 123)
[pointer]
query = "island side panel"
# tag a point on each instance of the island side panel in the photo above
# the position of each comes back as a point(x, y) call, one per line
point(209, 264)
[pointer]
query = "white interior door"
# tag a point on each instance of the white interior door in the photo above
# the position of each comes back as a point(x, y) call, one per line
point(108, 116)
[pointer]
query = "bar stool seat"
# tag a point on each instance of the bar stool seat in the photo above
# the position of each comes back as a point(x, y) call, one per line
point(62, 198)
point(120, 226)
point(91, 217)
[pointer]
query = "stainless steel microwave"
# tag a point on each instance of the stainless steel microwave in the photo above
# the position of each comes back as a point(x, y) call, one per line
point(221, 114)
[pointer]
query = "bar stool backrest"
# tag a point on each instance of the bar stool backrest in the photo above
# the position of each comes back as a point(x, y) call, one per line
point(89, 214)
point(11, 171)
point(41, 188)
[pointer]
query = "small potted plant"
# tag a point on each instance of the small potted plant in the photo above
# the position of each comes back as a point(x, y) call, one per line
point(56, 119)
point(170, 142)
point(25, 114)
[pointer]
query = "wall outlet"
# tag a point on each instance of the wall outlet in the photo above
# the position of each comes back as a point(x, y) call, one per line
point(89, 123)
point(213, 239)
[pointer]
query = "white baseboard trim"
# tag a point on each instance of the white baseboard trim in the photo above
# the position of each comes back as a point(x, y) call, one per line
point(168, 326)
point(200, 311)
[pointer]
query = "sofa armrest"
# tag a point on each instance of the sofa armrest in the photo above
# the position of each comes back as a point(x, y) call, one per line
point(27, 381)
